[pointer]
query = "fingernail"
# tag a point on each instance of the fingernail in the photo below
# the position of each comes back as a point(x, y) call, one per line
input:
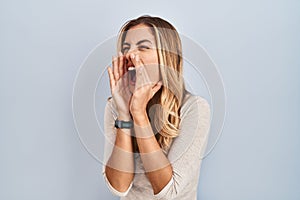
point(132, 56)
point(120, 53)
point(140, 70)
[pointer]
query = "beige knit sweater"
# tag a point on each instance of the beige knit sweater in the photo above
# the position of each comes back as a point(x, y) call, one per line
point(184, 154)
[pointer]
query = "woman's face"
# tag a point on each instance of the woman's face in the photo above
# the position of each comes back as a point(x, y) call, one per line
point(140, 41)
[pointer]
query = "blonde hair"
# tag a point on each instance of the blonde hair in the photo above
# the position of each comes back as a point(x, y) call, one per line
point(166, 118)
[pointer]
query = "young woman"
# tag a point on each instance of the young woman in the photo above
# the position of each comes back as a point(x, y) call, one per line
point(156, 131)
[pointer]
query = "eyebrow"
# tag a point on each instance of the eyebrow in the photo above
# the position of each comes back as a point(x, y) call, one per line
point(139, 42)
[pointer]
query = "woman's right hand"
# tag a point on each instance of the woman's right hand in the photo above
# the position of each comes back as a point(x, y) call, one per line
point(118, 76)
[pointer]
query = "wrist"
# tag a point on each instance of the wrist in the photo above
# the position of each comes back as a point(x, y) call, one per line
point(141, 119)
point(124, 117)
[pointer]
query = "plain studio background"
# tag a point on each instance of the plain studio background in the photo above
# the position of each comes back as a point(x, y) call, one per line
point(255, 45)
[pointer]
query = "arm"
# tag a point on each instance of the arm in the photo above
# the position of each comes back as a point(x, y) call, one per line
point(157, 166)
point(168, 180)
point(184, 155)
point(119, 167)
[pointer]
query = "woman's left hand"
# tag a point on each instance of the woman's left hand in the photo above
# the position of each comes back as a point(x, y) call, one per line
point(144, 90)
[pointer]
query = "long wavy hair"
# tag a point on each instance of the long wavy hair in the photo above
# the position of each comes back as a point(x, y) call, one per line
point(166, 117)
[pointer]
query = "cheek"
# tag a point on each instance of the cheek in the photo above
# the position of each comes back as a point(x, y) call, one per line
point(149, 57)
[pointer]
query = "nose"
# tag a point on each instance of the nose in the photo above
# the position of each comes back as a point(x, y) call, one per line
point(131, 51)
point(127, 56)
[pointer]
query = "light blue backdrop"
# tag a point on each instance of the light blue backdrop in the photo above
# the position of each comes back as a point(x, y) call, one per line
point(255, 44)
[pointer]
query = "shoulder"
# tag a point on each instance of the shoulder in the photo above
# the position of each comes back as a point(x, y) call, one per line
point(195, 104)
point(193, 128)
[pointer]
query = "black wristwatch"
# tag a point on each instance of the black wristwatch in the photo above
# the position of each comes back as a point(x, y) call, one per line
point(123, 124)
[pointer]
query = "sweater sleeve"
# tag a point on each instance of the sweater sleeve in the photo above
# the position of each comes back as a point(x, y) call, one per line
point(112, 189)
point(188, 148)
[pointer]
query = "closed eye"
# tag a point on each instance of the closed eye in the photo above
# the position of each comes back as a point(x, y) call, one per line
point(143, 47)
point(125, 49)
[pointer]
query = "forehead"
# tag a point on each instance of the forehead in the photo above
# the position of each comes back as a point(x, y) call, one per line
point(137, 33)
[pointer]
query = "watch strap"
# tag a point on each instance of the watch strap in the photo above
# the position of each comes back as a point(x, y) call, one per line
point(123, 124)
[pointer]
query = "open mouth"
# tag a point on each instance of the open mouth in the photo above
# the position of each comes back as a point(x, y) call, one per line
point(132, 72)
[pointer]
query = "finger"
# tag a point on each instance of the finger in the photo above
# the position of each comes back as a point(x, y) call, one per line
point(142, 77)
point(121, 63)
point(155, 88)
point(139, 79)
point(115, 68)
point(125, 72)
point(125, 79)
point(111, 78)
point(136, 61)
